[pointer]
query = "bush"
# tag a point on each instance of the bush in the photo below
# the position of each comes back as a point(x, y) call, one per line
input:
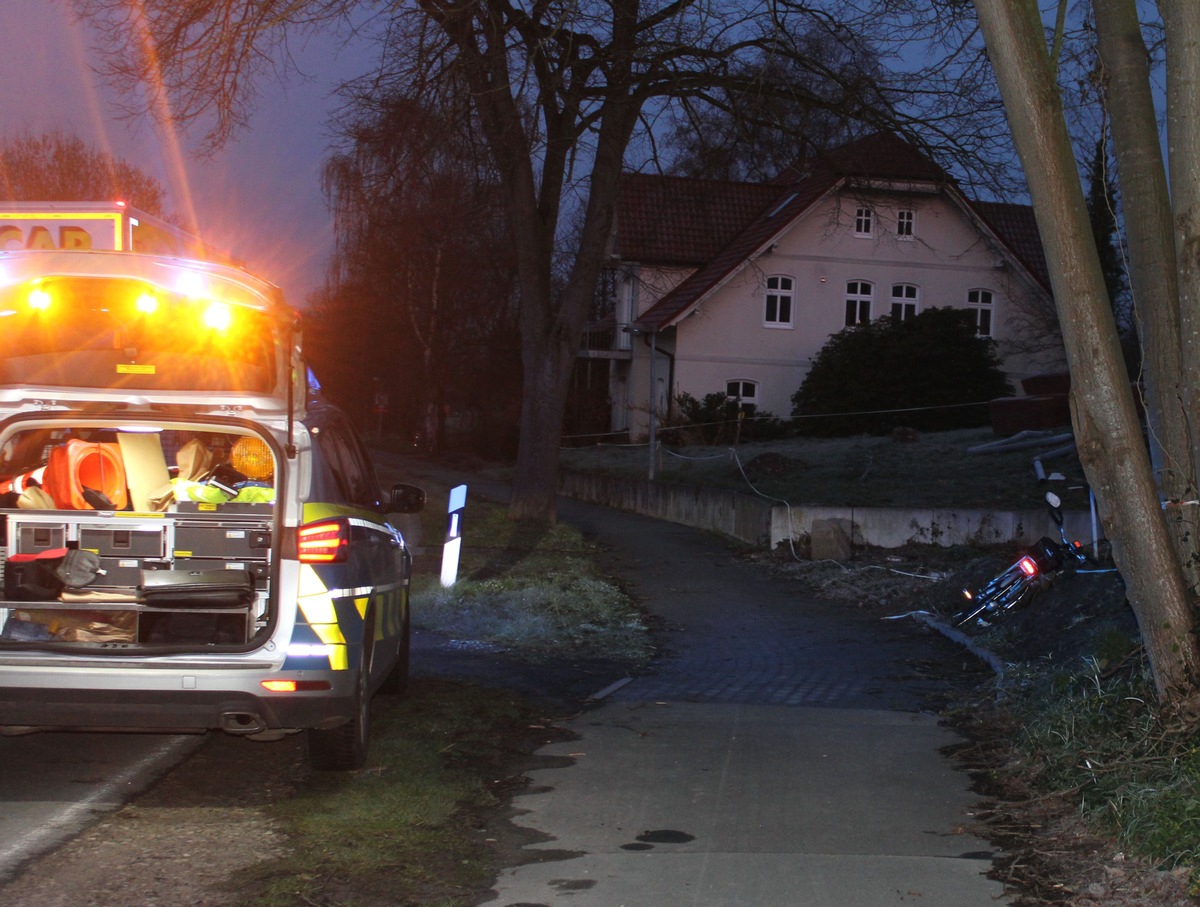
point(714, 420)
point(931, 372)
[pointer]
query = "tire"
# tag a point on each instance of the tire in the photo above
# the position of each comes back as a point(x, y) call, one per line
point(967, 614)
point(344, 748)
point(1016, 595)
point(1001, 594)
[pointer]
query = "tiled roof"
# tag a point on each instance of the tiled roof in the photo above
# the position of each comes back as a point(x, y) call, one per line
point(1015, 224)
point(675, 221)
point(881, 155)
point(785, 206)
point(664, 220)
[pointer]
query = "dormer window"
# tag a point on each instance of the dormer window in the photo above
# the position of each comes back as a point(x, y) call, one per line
point(864, 222)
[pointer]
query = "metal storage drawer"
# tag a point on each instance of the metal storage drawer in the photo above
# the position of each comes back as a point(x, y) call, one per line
point(124, 543)
point(227, 541)
point(40, 537)
point(124, 572)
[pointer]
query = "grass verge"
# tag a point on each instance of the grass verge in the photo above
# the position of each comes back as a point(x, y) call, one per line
point(937, 470)
point(1095, 743)
point(531, 590)
point(406, 830)
point(403, 830)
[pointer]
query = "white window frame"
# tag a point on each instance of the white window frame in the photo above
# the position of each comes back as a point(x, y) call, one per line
point(781, 293)
point(906, 224)
point(907, 300)
point(742, 398)
point(982, 302)
point(862, 297)
point(864, 221)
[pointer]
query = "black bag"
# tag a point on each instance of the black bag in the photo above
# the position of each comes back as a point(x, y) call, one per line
point(43, 576)
point(197, 588)
point(78, 568)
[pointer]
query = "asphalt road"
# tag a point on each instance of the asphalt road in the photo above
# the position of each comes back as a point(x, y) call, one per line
point(781, 753)
point(54, 784)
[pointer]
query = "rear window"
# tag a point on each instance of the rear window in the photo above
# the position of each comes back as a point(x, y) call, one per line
point(124, 333)
point(143, 468)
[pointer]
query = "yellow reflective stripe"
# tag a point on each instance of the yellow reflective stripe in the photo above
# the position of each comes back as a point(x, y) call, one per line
point(338, 659)
point(318, 609)
point(310, 582)
point(361, 605)
point(320, 613)
point(322, 511)
point(393, 610)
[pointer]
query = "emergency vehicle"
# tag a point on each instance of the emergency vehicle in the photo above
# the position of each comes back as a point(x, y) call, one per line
point(97, 226)
point(190, 538)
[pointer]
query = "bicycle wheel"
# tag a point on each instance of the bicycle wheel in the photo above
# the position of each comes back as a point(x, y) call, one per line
point(1016, 595)
point(997, 595)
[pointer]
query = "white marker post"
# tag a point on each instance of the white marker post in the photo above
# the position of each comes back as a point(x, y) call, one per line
point(450, 551)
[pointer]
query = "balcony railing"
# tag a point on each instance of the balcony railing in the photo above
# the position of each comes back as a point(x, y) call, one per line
point(605, 340)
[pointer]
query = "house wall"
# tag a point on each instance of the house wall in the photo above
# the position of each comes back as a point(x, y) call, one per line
point(637, 288)
point(726, 338)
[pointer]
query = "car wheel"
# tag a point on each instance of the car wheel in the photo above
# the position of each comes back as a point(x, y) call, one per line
point(344, 748)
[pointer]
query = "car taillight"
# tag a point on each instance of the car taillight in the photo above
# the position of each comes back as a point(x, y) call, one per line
point(323, 543)
point(1028, 566)
point(295, 686)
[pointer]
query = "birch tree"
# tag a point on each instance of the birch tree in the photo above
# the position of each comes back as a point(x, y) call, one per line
point(1155, 553)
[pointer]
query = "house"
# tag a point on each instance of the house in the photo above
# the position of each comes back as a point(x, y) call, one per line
point(733, 288)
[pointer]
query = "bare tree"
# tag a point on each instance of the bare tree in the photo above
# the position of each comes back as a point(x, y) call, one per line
point(57, 167)
point(412, 201)
point(735, 134)
point(1152, 558)
point(559, 90)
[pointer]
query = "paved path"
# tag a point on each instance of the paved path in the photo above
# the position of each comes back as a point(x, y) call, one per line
point(777, 755)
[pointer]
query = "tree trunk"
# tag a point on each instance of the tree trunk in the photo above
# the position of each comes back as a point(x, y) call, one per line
point(1152, 270)
point(547, 380)
point(1107, 430)
point(1182, 24)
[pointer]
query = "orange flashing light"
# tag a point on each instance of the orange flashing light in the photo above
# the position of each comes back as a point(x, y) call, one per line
point(218, 316)
point(39, 299)
point(323, 543)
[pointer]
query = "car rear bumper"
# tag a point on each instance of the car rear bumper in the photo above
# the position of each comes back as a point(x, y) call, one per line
point(235, 711)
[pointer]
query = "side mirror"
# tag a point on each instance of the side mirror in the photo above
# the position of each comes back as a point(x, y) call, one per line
point(406, 499)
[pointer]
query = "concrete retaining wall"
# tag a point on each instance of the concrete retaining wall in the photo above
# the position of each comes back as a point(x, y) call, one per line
point(761, 521)
point(732, 513)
